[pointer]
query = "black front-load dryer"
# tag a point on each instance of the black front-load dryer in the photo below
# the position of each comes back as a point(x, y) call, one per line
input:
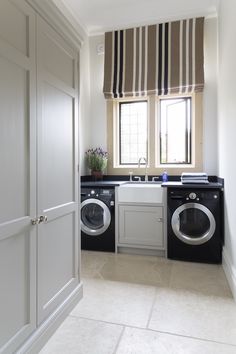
point(97, 219)
point(194, 226)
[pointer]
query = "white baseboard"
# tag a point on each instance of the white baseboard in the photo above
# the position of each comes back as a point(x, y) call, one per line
point(42, 334)
point(230, 272)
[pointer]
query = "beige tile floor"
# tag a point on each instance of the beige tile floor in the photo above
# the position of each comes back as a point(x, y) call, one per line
point(148, 305)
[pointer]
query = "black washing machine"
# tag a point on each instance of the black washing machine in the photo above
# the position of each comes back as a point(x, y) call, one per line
point(98, 219)
point(194, 226)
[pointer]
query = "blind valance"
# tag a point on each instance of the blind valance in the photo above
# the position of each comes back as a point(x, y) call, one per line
point(154, 60)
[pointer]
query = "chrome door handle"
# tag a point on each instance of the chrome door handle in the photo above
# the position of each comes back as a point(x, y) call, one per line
point(39, 220)
point(43, 218)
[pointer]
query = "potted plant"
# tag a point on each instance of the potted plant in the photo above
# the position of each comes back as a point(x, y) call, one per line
point(96, 160)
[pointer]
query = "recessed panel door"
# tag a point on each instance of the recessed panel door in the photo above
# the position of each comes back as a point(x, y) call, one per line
point(17, 174)
point(57, 170)
point(141, 225)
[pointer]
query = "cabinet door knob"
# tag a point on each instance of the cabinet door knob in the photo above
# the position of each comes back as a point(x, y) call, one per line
point(39, 220)
point(160, 219)
point(43, 218)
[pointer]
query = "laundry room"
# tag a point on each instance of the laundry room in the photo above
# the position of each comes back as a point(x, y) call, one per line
point(117, 225)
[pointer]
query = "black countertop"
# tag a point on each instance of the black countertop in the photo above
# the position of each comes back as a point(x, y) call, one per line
point(170, 184)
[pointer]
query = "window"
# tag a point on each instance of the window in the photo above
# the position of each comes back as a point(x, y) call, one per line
point(165, 130)
point(175, 131)
point(132, 132)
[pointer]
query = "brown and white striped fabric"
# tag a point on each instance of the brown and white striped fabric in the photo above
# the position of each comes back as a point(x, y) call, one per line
point(154, 60)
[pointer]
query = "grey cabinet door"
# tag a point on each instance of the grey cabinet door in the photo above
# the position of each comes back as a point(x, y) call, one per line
point(57, 176)
point(141, 225)
point(17, 174)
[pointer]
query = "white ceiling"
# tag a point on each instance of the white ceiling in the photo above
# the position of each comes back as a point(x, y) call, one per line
point(99, 16)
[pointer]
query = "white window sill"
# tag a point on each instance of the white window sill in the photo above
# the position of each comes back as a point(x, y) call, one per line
point(170, 166)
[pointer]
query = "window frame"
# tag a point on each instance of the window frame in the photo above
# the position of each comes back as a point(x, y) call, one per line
point(188, 143)
point(121, 102)
point(113, 131)
point(154, 166)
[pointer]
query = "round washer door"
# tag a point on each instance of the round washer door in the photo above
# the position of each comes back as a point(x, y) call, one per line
point(193, 223)
point(95, 217)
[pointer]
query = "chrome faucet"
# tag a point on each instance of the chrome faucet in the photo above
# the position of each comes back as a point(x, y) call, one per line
point(145, 160)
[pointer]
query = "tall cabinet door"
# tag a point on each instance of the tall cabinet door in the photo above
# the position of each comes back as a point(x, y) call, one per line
point(57, 170)
point(17, 174)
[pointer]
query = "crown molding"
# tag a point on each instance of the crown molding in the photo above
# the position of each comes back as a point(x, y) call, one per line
point(56, 18)
point(212, 13)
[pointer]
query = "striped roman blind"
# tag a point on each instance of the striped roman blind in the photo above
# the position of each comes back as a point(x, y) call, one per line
point(154, 60)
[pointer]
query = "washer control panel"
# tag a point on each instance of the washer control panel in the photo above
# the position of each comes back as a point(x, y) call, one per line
point(102, 193)
point(194, 195)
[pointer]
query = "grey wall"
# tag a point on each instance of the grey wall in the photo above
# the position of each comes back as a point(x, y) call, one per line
point(98, 106)
point(210, 153)
point(84, 106)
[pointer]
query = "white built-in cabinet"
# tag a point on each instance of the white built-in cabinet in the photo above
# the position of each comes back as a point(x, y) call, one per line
point(39, 250)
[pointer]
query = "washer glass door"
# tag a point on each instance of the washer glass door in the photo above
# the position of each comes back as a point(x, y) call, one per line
point(193, 223)
point(95, 217)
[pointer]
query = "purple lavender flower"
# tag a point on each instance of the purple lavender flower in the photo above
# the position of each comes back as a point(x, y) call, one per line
point(96, 159)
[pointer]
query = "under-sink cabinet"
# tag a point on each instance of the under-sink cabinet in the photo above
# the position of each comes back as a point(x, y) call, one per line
point(140, 217)
point(141, 225)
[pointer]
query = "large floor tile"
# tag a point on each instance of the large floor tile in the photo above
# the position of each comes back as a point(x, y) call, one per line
point(207, 279)
point(195, 315)
point(81, 336)
point(137, 269)
point(116, 302)
point(92, 263)
point(139, 341)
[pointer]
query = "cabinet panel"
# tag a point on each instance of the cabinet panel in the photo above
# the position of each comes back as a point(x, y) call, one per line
point(55, 56)
point(56, 266)
point(56, 147)
point(141, 225)
point(14, 285)
point(14, 26)
point(14, 141)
